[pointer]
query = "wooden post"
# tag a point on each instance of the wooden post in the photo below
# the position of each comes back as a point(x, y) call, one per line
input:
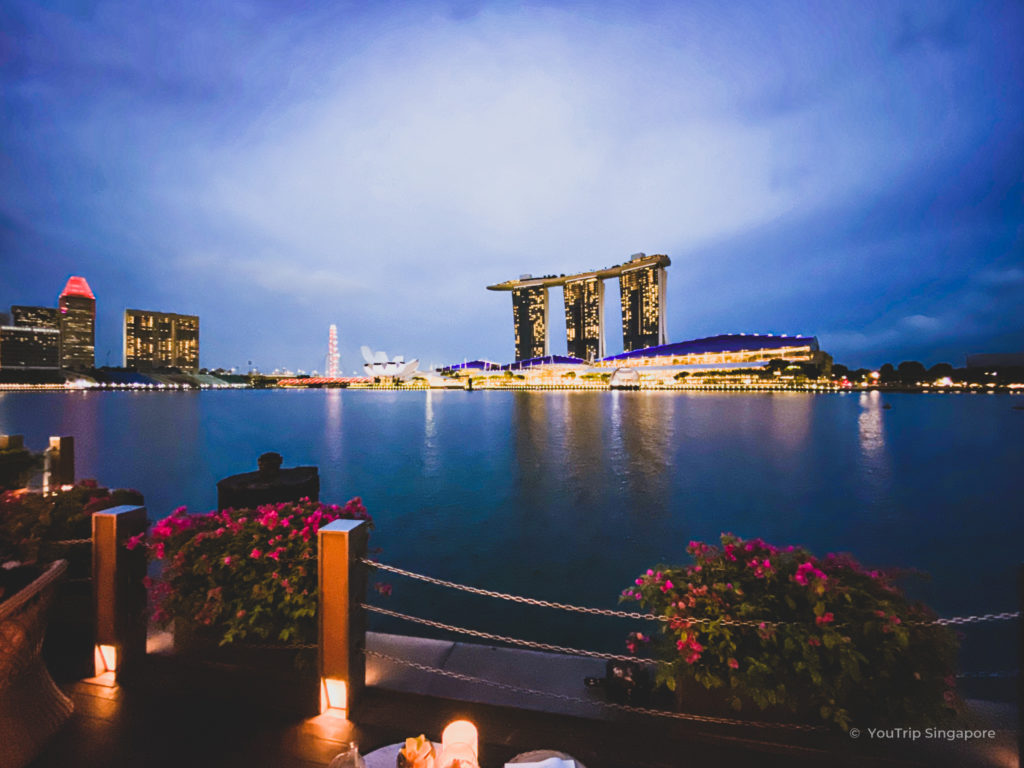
point(1020, 666)
point(60, 463)
point(119, 593)
point(342, 581)
point(12, 442)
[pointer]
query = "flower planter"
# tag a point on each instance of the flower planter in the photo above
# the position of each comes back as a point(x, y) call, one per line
point(268, 677)
point(32, 708)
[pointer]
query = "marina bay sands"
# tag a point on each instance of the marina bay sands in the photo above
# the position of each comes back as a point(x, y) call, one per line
point(642, 291)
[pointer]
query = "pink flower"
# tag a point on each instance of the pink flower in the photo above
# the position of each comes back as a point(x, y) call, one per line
point(227, 560)
point(733, 664)
point(135, 541)
point(255, 553)
point(827, 618)
point(814, 641)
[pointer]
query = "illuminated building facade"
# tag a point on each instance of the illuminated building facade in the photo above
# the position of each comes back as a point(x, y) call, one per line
point(642, 295)
point(160, 340)
point(642, 281)
point(27, 347)
point(35, 317)
point(530, 319)
point(726, 350)
point(584, 318)
point(77, 309)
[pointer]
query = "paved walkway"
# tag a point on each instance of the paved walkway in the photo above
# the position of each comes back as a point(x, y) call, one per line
point(183, 726)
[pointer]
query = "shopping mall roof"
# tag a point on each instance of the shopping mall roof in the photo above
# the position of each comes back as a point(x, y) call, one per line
point(733, 342)
point(548, 360)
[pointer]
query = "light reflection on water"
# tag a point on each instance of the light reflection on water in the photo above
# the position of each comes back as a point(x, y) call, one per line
point(567, 495)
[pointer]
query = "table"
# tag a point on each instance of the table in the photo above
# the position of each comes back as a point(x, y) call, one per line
point(385, 757)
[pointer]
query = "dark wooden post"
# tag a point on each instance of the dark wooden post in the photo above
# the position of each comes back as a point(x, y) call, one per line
point(119, 594)
point(60, 463)
point(1020, 665)
point(342, 581)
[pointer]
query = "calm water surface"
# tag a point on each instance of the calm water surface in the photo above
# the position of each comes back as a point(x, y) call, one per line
point(568, 495)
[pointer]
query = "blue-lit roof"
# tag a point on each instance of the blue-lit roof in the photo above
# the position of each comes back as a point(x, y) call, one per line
point(483, 365)
point(549, 360)
point(733, 342)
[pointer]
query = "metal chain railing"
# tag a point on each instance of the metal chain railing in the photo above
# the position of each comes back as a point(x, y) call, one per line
point(759, 623)
point(500, 638)
point(577, 700)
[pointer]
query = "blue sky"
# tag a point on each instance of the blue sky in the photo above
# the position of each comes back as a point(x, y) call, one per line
point(849, 170)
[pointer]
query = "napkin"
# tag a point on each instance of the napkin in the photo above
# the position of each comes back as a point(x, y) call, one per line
point(551, 762)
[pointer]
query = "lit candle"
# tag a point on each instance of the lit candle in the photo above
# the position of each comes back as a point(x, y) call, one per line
point(459, 742)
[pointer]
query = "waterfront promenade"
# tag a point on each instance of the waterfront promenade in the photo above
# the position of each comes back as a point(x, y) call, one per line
point(178, 726)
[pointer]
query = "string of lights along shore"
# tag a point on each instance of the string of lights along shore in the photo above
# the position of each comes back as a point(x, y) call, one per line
point(642, 289)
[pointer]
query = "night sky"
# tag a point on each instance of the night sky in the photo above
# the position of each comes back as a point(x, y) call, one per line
point(848, 170)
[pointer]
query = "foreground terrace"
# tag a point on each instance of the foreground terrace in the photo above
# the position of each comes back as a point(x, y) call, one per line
point(176, 715)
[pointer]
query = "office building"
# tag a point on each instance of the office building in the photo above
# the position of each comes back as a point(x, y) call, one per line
point(29, 348)
point(77, 309)
point(530, 319)
point(35, 317)
point(584, 318)
point(642, 295)
point(160, 340)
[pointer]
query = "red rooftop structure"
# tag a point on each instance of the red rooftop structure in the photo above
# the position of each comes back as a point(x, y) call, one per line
point(77, 286)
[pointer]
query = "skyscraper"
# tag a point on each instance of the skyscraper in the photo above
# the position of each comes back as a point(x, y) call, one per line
point(35, 317)
point(642, 282)
point(530, 318)
point(642, 294)
point(77, 308)
point(160, 340)
point(584, 318)
point(29, 348)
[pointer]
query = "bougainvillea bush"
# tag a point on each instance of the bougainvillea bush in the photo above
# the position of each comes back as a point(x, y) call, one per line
point(778, 627)
point(33, 524)
point(242, 574)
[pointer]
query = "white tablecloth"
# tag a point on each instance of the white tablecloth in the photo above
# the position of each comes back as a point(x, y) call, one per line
point(385, 757)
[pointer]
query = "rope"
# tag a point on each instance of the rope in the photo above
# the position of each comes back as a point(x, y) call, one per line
point(72, 542)
point(989, 675)
point(1005, 616)
point(512, 598)
point(759, 623)
point(502, 638)
point(605, 704)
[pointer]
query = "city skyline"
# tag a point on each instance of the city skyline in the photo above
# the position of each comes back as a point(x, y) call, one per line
point(852, 171)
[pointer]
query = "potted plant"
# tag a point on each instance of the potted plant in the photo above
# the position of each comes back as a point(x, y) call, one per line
point(820, 639)
point(17, 465)
point(41, 528)
point(239, 587)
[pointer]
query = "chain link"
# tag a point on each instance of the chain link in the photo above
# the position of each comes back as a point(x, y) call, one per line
point(502, 638)
point(759, 623)
point(577, 700)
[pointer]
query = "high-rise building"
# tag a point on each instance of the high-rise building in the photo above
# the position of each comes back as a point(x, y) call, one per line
point(35, 317)
point(642, 283)
point(160, 340)
point(530, 318)
point(584, 318)
point(77, 308)
point(29, 348)
point(642, 294)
